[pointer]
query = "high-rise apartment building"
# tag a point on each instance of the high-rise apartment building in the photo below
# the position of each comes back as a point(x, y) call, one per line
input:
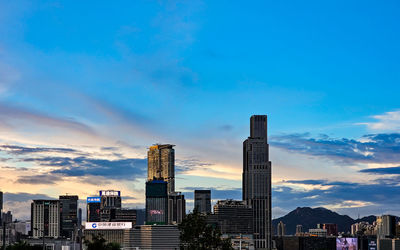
point(257, 180)
point(202, 201)
point(45, 218)
point(69, 214)
point(281, 229)
point(156, 202)
point(161, 164)
point(176, 208)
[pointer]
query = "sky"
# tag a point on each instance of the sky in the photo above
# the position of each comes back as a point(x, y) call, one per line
point(87, 87)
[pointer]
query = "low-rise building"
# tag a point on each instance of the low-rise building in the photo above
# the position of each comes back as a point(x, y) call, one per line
point(152, 237)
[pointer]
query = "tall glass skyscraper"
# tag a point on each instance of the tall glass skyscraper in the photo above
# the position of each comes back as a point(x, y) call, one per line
point(161, 164)
point(257, 180)
point(69, 215)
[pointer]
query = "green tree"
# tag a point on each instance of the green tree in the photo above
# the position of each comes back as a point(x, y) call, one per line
point(99, 243)
point(197, 234)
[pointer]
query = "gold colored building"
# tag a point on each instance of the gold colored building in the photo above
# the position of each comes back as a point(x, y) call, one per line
point(161, 164)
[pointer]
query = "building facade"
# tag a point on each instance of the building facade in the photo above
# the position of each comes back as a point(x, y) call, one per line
point(7, 217)
point(110, 202)
point(176, 208)
point(161, 164)
point(93, 209)
point(331, 228)
point(45, 218)
point(69, 214)
point(156, 202)
point(318, 232)
point(202, 201)
point(257, 180)
point(152, 237)
point(125, 215)
point(385, 226)
point(233, 217)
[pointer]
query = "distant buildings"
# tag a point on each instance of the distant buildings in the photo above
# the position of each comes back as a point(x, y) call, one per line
point(318, 232)
point(362, 228)
point(45, 218)
point(257, 180)
point(331, 228)
point(202, 201)
point(281, 229)
point(161, 164)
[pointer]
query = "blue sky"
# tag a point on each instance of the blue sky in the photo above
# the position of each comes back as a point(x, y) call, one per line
point(85, 87)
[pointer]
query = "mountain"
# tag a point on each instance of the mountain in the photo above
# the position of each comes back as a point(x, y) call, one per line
point(310, 217)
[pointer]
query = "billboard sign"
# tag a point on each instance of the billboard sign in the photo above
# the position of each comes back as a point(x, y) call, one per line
point(109, 193)
point(93, 199)
point(153, 212)
point(108, 225)
point(346, 244)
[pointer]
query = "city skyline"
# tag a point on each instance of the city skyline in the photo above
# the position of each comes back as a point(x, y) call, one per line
point(85, 93)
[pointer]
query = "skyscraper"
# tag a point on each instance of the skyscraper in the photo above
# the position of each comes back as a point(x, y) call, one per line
point(69, 214)
point(202, 201)
point(45, 218)
point(256, 180)
point(161, 164)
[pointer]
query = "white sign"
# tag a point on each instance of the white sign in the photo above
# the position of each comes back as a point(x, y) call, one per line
point(110, 193)
point(108, 225)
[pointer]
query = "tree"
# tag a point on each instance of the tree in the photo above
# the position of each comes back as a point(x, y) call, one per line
point(197, 234)
point(99, 243)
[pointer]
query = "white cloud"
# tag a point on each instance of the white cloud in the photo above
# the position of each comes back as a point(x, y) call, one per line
point(389, 121)
point(348, 204)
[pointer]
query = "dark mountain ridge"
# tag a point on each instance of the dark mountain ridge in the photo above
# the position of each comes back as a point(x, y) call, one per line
point(310, 217)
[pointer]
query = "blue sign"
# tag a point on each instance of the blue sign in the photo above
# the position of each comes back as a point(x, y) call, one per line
point(93, 200)
point(94, 225)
